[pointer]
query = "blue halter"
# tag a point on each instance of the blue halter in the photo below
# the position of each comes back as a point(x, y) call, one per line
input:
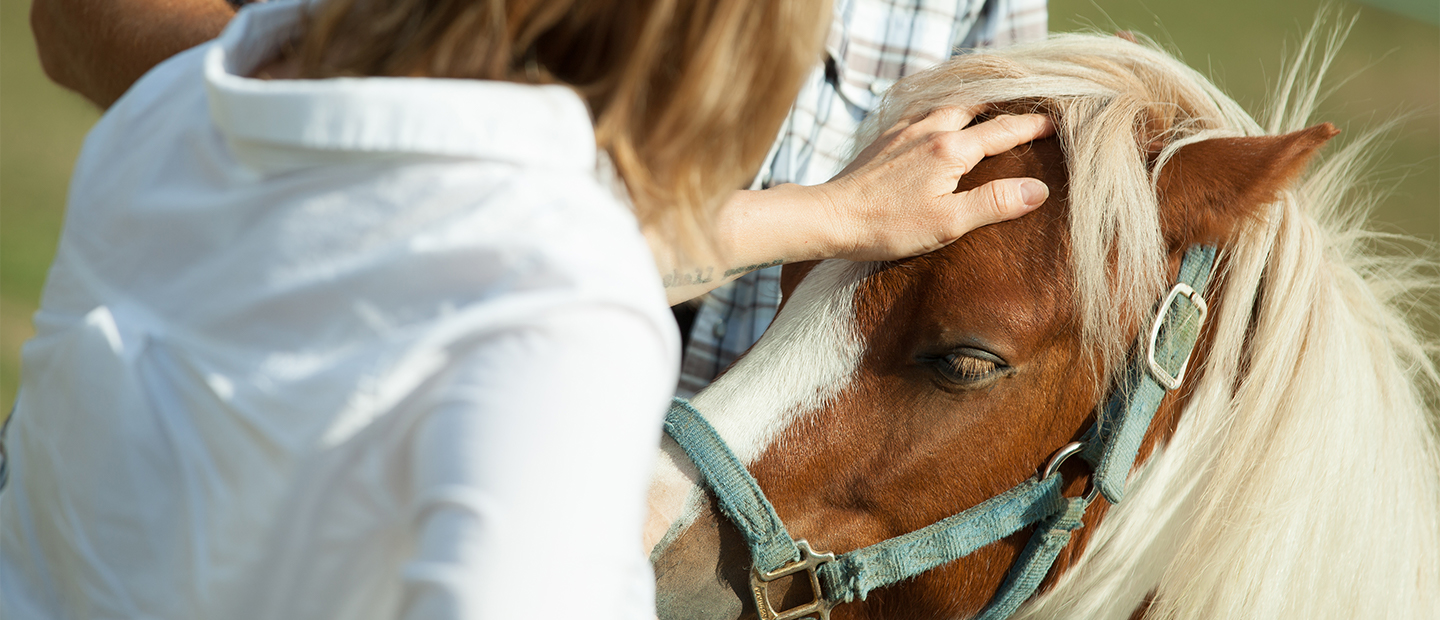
point(1110, 446)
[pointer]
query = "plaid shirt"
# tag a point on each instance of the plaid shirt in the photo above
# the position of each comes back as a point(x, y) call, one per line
point(872, 44)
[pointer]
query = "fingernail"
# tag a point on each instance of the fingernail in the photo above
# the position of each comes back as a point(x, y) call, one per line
point(1033, 192)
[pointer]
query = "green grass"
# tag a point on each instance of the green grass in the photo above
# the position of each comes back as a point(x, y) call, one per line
point(1393, 66)
point(41, 128)
point(1389, 68)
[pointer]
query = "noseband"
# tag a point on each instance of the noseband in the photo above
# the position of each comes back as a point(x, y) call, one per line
point(1110, 446)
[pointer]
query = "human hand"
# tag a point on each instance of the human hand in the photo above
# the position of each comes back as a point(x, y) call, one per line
point(898, 199)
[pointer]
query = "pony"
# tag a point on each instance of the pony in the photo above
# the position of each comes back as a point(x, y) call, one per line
point(1292, 474)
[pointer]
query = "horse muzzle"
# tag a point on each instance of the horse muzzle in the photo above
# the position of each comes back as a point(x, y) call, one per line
point(703, 574)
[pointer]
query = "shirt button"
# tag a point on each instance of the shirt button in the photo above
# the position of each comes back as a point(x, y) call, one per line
point(719, 330)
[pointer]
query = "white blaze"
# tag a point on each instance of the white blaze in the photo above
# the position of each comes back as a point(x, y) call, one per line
point(804, 359)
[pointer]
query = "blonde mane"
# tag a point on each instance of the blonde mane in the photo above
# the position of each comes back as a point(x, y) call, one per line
point(1303, 480)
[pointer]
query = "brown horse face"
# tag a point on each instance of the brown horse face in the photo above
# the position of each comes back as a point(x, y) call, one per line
point(971, 376)
point(971, 364)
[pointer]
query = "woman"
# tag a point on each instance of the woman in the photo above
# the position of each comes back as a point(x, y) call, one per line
point(348, 320)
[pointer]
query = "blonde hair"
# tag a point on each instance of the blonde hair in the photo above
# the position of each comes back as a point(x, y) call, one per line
point(1302, 480)
point(686, 96)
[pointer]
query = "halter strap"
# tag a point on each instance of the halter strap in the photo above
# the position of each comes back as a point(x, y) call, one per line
point(739, 496)
point(853, 575)
point(1110, 446)
point(1113, 443)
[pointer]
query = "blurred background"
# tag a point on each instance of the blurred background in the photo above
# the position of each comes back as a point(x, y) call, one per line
point(1390, 68)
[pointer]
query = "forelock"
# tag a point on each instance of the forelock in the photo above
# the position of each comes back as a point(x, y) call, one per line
point(1117, 105)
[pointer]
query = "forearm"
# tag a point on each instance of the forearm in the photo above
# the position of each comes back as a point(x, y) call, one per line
point(901, 197)
point(753, 230)
point(98, 48)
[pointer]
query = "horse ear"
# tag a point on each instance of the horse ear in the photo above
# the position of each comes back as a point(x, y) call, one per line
point(1208, 188)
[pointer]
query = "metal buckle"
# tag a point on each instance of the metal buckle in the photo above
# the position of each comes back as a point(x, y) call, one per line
point(1162, 376)
point(1066, 451)
point(808, 562)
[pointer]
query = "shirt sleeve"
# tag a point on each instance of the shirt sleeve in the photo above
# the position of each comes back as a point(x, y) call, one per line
point(530, 473)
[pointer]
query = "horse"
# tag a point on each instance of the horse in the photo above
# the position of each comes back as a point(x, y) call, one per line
point(1294, 471)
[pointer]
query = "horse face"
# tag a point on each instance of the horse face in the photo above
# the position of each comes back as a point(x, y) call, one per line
point(972, 375)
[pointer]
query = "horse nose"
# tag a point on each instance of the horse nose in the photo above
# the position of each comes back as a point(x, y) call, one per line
point(702, 574)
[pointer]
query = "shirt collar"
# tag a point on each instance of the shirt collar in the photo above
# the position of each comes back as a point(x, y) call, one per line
point(281, 123)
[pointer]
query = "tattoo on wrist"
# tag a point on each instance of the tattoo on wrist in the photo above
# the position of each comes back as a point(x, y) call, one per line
point(689, 278)
point(705, 275)
point(750, 268)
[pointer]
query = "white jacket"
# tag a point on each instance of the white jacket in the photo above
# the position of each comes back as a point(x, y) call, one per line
point(350, 348)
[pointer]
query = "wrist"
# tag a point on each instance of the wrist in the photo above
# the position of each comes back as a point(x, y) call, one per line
point(812, 222)
point(834, 213)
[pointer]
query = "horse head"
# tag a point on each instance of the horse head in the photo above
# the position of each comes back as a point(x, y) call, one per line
point(888, 397)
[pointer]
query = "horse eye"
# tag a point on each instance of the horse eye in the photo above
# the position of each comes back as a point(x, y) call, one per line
point(970, 366)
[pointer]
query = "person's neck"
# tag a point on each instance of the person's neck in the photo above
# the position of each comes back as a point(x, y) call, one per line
point(282, 67)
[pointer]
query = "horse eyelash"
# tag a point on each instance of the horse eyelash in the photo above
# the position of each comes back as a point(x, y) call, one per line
point(966, 367)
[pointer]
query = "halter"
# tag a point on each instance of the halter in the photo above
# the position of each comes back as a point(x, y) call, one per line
point(1110, 446)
